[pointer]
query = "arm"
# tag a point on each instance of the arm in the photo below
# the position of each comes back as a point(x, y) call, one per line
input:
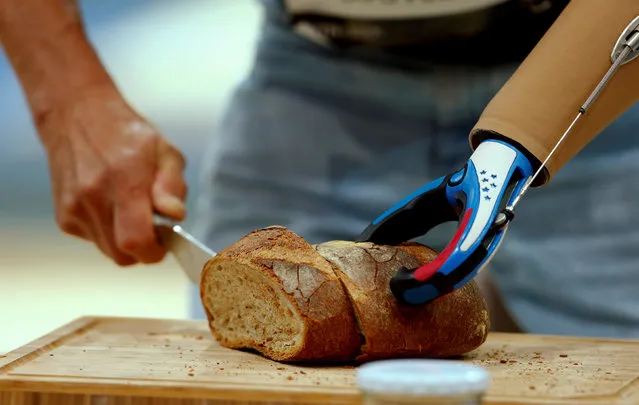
point(540, 100)
point(47, 47)
point(532, 110)
point(110, 169)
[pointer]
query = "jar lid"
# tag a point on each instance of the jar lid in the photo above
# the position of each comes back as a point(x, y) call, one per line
point(422, 377)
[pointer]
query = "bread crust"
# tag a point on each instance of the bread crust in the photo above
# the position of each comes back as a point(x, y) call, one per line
point(453, 325)
point(341, 292)
point(330, 330)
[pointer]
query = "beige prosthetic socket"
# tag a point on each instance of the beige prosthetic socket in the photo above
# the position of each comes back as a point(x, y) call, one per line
point(539, 102)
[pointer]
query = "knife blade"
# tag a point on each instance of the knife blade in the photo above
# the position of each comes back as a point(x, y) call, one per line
point(190, 253)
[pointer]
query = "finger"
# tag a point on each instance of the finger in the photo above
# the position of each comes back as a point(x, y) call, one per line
point(101, 219)
point(70, 215)
point(74, 227)
point(134, 230)
point(95, 197)
point(170, 188)
point(90, 195)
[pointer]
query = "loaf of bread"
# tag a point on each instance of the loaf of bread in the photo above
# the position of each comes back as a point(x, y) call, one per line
point(274, 293)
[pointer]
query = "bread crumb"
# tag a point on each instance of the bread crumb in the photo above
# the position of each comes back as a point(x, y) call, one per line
point(563, 355)
point(503, 361)
point(532, 387)
point(303, 372)
point(199, 338)
point(289, 378)
point(191, 374)
point(281, 368)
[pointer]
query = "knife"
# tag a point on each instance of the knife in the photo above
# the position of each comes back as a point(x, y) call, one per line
point(190, 253)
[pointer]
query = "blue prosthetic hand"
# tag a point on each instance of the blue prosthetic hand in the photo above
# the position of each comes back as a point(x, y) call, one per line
point(477, 196)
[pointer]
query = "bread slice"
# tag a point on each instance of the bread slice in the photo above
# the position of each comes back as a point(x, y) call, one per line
point(273, 292)
point(453, 325)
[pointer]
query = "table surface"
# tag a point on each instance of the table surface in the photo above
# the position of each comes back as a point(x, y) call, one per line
point(159, 358)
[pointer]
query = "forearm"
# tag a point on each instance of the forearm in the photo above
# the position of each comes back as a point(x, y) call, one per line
point(45, 42)
point(541, 99)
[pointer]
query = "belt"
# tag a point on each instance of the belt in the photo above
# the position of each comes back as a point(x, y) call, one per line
point(499, 34)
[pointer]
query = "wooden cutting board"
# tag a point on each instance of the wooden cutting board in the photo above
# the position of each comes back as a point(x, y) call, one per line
point(126, 361)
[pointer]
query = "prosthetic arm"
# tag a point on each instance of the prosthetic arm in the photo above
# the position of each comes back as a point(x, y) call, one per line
point(538, 103)
point(579, 79)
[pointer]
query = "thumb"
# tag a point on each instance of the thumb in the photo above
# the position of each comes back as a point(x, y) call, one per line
point(169, 187)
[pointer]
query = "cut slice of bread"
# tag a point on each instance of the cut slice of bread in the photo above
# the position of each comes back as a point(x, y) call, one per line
point(273, 292)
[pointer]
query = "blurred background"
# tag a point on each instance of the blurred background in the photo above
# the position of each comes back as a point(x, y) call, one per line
point(176, 62)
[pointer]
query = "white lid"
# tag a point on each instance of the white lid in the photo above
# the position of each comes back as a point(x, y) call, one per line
point(422, 377)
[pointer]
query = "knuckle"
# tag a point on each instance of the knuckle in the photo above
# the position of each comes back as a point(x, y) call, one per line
point(154, 256)
point(130, 244)
point(92, 186)
point(66, 224)
point(140, 128)
point(123, 261)
point(118, 257)
point(176, 154)
point(142, 145)
point(132, 162)
point(136, 242)
point(70, 208)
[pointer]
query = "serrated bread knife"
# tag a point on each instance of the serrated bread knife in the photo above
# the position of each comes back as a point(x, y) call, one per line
point(190, 253)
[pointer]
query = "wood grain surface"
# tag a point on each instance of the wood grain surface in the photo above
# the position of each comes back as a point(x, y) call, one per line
point(129, 361)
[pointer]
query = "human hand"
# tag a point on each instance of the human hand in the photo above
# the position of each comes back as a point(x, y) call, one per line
point(110, 170)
